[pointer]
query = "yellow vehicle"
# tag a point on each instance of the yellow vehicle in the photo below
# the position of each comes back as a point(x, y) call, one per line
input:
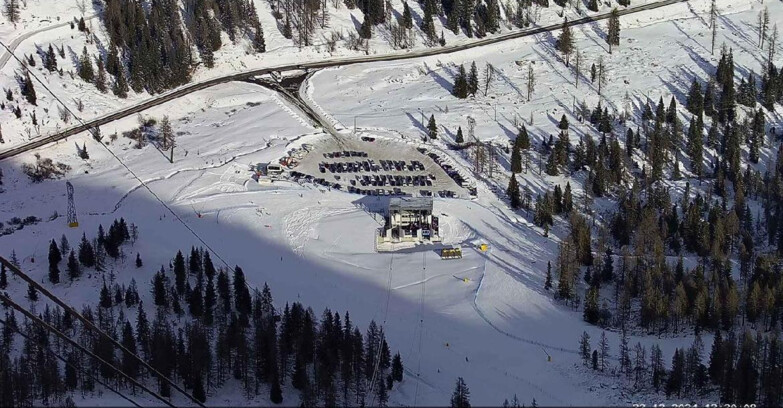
point(451, 253)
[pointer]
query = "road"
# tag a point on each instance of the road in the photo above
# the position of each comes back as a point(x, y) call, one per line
point(6, 56)
point(188, 89)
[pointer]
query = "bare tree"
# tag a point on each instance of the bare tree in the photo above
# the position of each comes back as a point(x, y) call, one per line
point(772, 43)
point(763, 25)
point(577, 64)
point(65, 114)
point(531, 81)
point(490, 70)
point(713, 24)
point(601, 74)
point(11, 11)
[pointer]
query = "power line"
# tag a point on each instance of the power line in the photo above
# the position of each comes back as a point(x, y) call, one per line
point(92, 326)
point(67, 363)
point(96, 136)
point(47, 326)
point(378, 350)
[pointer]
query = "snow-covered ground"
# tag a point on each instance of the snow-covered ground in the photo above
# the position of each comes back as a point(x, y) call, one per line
point(42, 25)
point(486, 317)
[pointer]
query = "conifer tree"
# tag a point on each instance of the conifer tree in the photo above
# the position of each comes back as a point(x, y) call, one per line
point(461, 396)
point(74, 270)
point(11, 10)
point(32, 294)
point(613, 29)
point(584, 348)
point(28, 90)
point(516, 159)
point(695, 101)
point(86, 252)
point(473, 81)
point(397, 370)
point(85, 66)
point(432, 128)
point(513, 192)
point(54, 259)
point(407, 17)
point(100, 79)
point(120, 87)
point(3, 277)
point(565, 43)
point(604, 351)
point(51, 60)
point(180, 275)
point(258, 39)
point(461, 88)
point(459, 139)
point(548, 281)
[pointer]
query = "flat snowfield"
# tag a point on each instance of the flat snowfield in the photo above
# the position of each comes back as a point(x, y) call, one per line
point(486, 317)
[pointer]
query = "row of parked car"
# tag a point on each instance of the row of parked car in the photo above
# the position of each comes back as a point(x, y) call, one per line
point(453, 173)
point(394, 191)
point(370, 166)
point(345, 153)
point(394, 180)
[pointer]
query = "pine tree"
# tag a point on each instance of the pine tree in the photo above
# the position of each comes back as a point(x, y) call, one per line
point(695, 147)
point(139, 264)
point(86, 252)
point(258, 39)
point(604, 351)
point(120, 87)
point(51, 60)
point(584, 348)
point(12, 11)
point(407, 17)
point(613, 30)
point(516, 159)
point(461, 396)
point(397, 370)
point(275, 392)
point(695, 101)
point(432, 128)
point(460, 88)
point(548, 281)
point(100, 80)
point(85, 66)
point(592, 5)
point(180, 275)
point(32, 294)
point(54, 259)
point(459, 139)
point(676, 377)
point(28, 90)
point(565, 43)
point(74, 270)
point(473, 81)
point(671, 112)
point(513, 192)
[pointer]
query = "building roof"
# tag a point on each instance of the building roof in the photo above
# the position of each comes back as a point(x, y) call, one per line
point(410, 203)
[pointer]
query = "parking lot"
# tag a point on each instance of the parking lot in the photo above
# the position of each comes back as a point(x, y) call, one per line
point(371, 166)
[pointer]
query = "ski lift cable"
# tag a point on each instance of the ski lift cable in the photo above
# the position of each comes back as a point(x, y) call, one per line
point(7, 300)
point(68, 309)
point(61, 358)
point(93, 133)
point(380, 338)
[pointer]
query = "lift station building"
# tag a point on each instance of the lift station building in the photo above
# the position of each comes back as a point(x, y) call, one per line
point(410, 219)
